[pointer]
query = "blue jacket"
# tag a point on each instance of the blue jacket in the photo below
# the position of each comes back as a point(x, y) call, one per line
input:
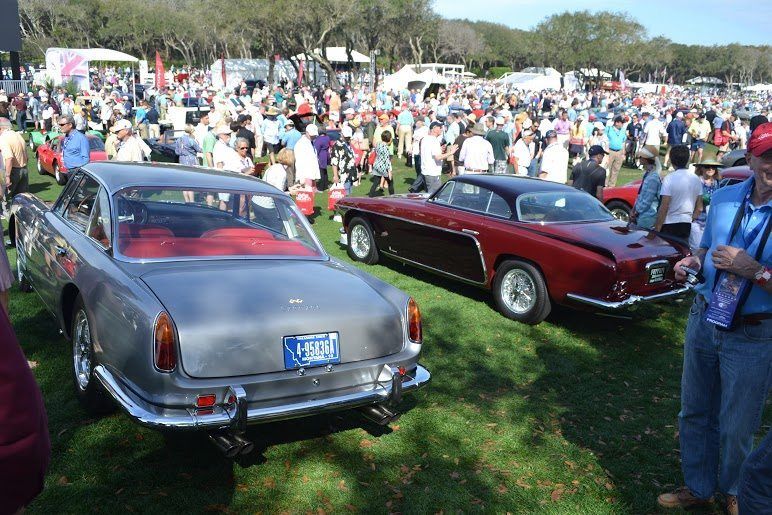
point(675, 132)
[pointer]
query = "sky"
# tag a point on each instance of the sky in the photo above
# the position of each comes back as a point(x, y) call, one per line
point(705, 22)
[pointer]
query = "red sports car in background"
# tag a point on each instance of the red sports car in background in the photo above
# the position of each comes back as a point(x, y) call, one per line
point(530, 242)
point(50, 156)
point(621, 199)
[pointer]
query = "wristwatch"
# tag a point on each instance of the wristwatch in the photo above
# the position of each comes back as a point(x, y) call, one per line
point(762, 277)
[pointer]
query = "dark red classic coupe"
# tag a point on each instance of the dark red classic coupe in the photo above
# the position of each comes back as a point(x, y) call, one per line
point(531, 242)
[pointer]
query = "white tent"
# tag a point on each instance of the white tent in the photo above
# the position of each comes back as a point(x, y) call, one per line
point(715, 81)
point(759, 88)
point(402, 79)
point(337, 54)
point(237, 70)
point(533, 79)
point(72, 63)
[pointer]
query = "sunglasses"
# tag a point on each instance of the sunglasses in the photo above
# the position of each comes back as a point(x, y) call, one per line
point(243, 148)
point(63, 124)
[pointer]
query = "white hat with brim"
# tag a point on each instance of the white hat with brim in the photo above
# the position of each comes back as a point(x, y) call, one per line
point(222, 129)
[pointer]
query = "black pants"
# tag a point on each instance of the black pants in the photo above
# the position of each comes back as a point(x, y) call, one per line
point(376, 182)
point(324, 180)
point(679, 230)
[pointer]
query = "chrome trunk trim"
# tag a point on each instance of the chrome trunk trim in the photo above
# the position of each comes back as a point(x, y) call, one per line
point(240, 414)
point(633, 299)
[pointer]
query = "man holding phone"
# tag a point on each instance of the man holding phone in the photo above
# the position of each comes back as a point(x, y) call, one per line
point(728, 346)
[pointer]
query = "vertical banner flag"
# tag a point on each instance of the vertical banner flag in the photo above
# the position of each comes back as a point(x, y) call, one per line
point(300, 72)
point(222, 60)
point(622, 80)
point(160, 72)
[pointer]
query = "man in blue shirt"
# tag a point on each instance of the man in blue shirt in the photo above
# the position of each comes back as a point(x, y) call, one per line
point(675, 134)
point(726, 371)
point(616, 135)
point(291, 135)
point(76, 151)
point(404, 131)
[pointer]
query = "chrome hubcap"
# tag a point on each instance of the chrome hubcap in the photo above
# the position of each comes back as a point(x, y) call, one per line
point(518, 291)
point(360, 242)
point(40, 167)
point(620, 214)
point(56, 172)
point(81, 350)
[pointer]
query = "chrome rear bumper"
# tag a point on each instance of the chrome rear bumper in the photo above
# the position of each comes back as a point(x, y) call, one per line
point(387, 389)
point(630, 301)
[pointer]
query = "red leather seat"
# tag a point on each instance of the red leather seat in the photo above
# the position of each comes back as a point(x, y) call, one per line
point(126, 230)
point(237, 232)
point(154, 248)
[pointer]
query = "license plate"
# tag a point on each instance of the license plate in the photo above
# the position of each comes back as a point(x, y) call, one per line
point(311, 350)
point(656, 274)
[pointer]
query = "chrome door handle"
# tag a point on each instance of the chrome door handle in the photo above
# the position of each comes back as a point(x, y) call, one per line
point(60, 251)
point(470, 231)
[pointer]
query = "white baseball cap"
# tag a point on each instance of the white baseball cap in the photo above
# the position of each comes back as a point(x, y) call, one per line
point(312, 130)
point(121, 125)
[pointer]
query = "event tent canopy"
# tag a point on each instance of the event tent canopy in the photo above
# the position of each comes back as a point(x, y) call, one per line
point(407, 78)
point(705, 80)
point(759, 87)
point(337, 54)
point(72, 63)
point(533, 79)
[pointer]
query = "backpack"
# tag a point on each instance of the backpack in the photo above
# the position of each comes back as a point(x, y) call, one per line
point(719, 139)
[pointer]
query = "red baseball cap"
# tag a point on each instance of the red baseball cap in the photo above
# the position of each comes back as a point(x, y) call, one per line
point(761, 140)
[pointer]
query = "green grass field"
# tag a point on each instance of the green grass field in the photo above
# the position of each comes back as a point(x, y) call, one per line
point(575, 415)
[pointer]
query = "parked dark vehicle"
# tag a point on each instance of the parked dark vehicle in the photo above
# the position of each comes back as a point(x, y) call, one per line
point(530, 242)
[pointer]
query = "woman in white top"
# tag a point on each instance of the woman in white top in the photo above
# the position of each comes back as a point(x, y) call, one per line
point(281, 174)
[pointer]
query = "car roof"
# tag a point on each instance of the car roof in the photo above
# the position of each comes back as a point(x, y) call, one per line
point(118, 175)
point(510, 186)
point(737, 172)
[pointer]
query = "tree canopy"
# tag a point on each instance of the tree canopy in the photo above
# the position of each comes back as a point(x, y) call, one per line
point(197, 32)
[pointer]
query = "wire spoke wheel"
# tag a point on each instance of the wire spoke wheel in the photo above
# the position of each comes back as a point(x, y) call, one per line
point(518, 291)
point(360, 242)
point(82, 350)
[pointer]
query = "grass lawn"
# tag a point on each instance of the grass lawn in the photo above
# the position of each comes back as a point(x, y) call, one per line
point(575, 415)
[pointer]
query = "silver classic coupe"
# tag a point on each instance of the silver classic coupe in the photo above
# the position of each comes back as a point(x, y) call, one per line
point(201, 299)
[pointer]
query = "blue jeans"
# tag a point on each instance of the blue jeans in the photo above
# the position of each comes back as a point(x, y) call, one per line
point(725, 382)
point(755, 490)
point(533, 168)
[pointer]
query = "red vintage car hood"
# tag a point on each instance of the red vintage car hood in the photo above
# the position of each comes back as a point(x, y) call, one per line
point(615, 239)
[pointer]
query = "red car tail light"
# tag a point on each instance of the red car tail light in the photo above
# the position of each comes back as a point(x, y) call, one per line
point(165, 350)
point(206, 400)
point(414, 329)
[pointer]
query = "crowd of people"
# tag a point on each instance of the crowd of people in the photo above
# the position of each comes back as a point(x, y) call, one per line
point(582, 138)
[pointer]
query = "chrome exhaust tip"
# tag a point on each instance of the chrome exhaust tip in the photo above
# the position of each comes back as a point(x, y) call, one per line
point(379, 414)
point(228, 445)
point(246, 446)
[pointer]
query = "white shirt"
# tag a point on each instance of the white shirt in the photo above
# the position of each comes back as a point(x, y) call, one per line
point(133, 149)
point(418, 135)
point(476, 154)
point(200, 132)
point(554, 162)
point(306, 163)
point(276, 175)
point(683, 187)
point(430, 147)
point(654, 131)
point(224, 155)
point(523, 154)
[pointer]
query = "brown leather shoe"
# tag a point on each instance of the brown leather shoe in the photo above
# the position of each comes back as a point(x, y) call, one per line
point(730, 505)
point(682, 498)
